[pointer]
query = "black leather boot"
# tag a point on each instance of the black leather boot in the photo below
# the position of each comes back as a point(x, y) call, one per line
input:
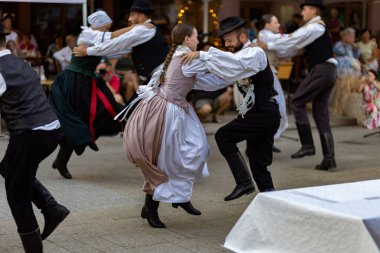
point(307, 149)
point(238, 167)
point(188, 207)
point(32, 241)
point(327, 143)
point(62, 159)
point(53, 212)
point(149, 212)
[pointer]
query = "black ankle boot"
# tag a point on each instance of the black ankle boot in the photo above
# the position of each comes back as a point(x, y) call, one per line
point(306, 137)
point(32, 241)
point(238, 167)
point(53, 212)
point(62, 159)
point(149, 212)
point(188, 207)
point(327, 143)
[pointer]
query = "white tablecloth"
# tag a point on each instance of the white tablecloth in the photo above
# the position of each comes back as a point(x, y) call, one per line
point(326, 219)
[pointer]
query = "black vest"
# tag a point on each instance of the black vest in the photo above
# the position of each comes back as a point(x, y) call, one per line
point(24, 105)
point(320, 50)
point(147, 56)
point(264, 88)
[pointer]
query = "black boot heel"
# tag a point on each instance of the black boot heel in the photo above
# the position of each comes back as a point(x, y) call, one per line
point(149, 212)
point(188, 207)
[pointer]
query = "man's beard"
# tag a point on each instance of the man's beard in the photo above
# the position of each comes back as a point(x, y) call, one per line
point(236, 49)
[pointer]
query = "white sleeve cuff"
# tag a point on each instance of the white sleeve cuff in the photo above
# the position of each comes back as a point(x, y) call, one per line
point(204, 55)
point(270, 45)
point(91, 51)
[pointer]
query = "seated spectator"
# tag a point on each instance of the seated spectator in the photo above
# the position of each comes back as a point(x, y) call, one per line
point(106, 71)
point(349, 71)
point(26, 46)
point(130, 83)
point(347, 54)
point(7, 20)
point(212, 102)
point(63, 56)
point(369, 51)
point(370, 88)
point(54, 47)
point(12, 46)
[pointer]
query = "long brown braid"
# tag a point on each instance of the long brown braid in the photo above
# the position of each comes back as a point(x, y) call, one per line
point(179, 33)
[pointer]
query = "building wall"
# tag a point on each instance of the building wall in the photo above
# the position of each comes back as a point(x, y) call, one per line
point(373, 10)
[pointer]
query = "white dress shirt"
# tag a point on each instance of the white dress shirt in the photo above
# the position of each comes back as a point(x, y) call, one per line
point(217, 69)
point(124, 43)
point(3, 87)
point(63, 56)
point(230, 66)
point(268, 36)
point(11, 36)
point(302, 37)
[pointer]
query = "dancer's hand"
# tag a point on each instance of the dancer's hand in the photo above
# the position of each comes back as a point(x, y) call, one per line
point(80, 51)
point(187, 58)
point(262, 45)
point(254, 44)
point(148, 25)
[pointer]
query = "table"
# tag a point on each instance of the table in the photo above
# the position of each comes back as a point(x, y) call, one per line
point(334, 218)
point(46, 85)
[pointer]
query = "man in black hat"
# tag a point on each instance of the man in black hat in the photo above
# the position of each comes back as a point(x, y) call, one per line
point(34, 131)
point(259, 116)
point(147, 45)
point(316, 87)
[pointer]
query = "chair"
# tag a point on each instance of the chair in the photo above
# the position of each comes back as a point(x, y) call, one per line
point(284, 71)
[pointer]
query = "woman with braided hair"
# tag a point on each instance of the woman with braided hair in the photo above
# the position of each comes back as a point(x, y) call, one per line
point(163, 136)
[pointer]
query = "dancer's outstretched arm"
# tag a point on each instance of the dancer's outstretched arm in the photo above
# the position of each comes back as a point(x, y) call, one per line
point(229, 66)
point(137, 35)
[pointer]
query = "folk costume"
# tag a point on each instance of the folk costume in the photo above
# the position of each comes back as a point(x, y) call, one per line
point(83, 103)
point(147, 45)
point(259, 116)
point(34, 132)
point(165, 139)
point(316, 87)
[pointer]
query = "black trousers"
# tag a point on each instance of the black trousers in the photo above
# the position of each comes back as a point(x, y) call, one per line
point(257, 127)
point(19, 166)
point(316, 87)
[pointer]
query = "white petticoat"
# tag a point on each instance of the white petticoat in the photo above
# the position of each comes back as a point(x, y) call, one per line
point(183, 155)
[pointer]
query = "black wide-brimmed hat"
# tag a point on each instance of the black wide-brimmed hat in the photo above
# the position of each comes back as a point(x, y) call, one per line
point(230, 24)
point(143, 6)
point(316, 3)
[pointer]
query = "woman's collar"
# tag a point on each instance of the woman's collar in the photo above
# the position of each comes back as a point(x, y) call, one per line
point(181, 50)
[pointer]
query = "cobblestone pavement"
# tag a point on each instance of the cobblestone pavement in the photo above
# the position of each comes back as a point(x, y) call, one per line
point(105, 196)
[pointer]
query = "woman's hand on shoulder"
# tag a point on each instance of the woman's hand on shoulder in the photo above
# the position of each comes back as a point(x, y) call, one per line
point(80, 51)
point(189, 57)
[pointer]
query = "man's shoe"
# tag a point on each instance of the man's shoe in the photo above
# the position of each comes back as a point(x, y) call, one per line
point(240, 190)
point(304, 151)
